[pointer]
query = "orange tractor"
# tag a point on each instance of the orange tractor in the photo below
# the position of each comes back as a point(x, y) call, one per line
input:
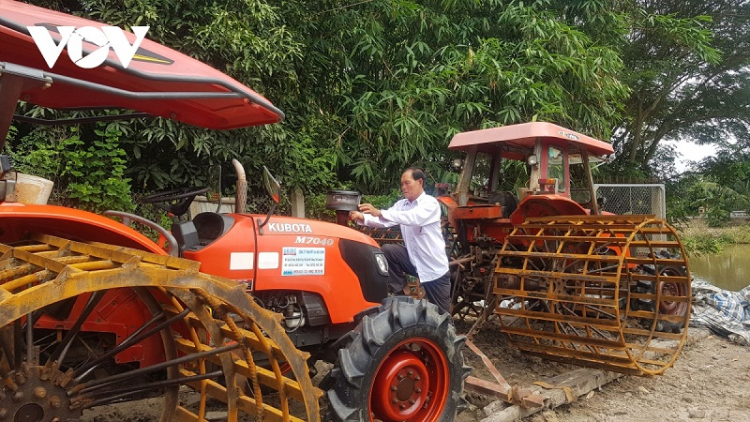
point(567, 280)
point(227, 313)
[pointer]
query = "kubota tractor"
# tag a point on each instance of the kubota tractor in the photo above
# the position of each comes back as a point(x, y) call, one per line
point(568, 281)
point(229, 312)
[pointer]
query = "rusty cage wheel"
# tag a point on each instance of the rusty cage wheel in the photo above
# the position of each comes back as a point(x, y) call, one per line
point(469, 289)
point(604, 291)
point(403, 363)
point(88, 325)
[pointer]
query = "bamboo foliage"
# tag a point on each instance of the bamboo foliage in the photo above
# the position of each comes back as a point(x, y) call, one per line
point(371, 87)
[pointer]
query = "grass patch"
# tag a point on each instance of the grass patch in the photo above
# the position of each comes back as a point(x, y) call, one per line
point(699, 239)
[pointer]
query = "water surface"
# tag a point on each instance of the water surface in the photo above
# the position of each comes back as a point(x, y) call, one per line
point(729, 270)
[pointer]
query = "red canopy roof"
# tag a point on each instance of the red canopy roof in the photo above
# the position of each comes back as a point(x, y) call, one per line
point(523, 136)
point(158, 81)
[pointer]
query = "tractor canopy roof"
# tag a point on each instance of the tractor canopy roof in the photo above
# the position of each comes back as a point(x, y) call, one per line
point(158, 81)
point(515, 140)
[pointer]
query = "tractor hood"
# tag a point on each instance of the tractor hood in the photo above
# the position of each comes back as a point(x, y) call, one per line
point(158, 80)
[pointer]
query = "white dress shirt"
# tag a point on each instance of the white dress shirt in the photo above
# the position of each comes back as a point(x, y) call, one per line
point(420, 228)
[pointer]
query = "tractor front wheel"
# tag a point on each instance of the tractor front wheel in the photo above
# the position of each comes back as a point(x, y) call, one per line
point(403, 363)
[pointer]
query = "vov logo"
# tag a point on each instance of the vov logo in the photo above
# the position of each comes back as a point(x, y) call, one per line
point(105, 38)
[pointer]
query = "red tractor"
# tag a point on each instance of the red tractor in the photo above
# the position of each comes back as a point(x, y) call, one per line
point(230, 310)
point(568, 280)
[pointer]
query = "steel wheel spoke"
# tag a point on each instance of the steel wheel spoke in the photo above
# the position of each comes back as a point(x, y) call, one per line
point(121, 393)
point(136, 337)
point(92, 385)
point(62, 349)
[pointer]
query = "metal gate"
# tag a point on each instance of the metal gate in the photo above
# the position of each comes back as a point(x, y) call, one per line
point(623, 199)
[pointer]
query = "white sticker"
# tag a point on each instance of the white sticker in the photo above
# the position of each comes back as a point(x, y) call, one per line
point(268, 260)
point(241, 260)
point(303, 261)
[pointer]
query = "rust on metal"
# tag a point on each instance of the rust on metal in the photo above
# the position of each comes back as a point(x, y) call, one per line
point(611, 292)
point(478, 212)
point(215, 339)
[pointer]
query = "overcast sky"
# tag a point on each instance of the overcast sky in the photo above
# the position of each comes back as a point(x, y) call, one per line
point(690, 151)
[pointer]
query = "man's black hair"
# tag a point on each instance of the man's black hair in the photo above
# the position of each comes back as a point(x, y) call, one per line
point(417, 173)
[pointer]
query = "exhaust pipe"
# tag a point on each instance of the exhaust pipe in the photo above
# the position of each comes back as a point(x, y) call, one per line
point(240, 198)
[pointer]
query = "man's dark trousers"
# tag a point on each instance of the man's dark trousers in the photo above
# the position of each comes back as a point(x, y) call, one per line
point(437, 291)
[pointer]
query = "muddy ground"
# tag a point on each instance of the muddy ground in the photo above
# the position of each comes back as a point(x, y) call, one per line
point(710, 381)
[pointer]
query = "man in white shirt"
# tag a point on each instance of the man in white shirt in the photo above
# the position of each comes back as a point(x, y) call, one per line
point(423, 256)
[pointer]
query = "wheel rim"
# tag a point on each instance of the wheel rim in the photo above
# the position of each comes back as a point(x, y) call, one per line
point(672, 289)
point(411, 383)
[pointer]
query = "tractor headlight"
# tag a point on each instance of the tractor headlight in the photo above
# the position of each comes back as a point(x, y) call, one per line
point(381, 263)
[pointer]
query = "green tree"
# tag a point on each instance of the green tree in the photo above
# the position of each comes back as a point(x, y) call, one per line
point(412, 74)
point(686, 66)
point(252, 42)
point(372, 87)
point(88, 169)
point(728, 173)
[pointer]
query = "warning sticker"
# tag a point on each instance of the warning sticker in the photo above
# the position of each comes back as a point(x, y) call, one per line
point(303, 261)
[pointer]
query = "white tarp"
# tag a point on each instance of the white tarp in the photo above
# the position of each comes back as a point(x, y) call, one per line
point(724, 312)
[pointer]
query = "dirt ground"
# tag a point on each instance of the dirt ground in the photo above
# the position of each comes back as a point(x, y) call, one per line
point(710, 381)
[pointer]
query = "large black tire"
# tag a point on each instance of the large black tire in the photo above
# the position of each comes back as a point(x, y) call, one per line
point(672, 308)
point(403, 363)
point(665, 307)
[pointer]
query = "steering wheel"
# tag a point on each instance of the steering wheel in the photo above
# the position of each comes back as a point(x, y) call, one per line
point(175, 201)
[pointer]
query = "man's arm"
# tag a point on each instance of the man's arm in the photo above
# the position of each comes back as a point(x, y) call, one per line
point(370, 216)
point(424, 213)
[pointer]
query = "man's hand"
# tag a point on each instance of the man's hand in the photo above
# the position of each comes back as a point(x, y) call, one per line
point(356, 216)
point(369, 209)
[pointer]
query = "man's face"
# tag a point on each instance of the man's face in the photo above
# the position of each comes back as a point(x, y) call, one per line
point(410, 187)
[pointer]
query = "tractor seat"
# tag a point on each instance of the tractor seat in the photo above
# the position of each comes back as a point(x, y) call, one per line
point(201, 230)
point(210, 226)
point(507, 200)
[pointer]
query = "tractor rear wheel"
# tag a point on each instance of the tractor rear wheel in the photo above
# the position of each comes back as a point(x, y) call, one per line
point(403, 363)
point(84, 326)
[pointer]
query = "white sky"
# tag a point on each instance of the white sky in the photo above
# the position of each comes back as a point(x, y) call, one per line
point(689, 151)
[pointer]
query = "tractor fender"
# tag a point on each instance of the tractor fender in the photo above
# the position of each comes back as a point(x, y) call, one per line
point(545, 205)
point(19, 220)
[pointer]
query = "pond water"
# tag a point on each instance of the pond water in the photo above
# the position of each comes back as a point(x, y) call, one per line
point(729, 270)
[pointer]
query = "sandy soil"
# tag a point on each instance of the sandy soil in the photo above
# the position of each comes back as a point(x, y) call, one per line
point(710, 381)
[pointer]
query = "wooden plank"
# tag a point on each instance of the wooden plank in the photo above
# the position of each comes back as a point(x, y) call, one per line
point(578, 382)
point(487, 388)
